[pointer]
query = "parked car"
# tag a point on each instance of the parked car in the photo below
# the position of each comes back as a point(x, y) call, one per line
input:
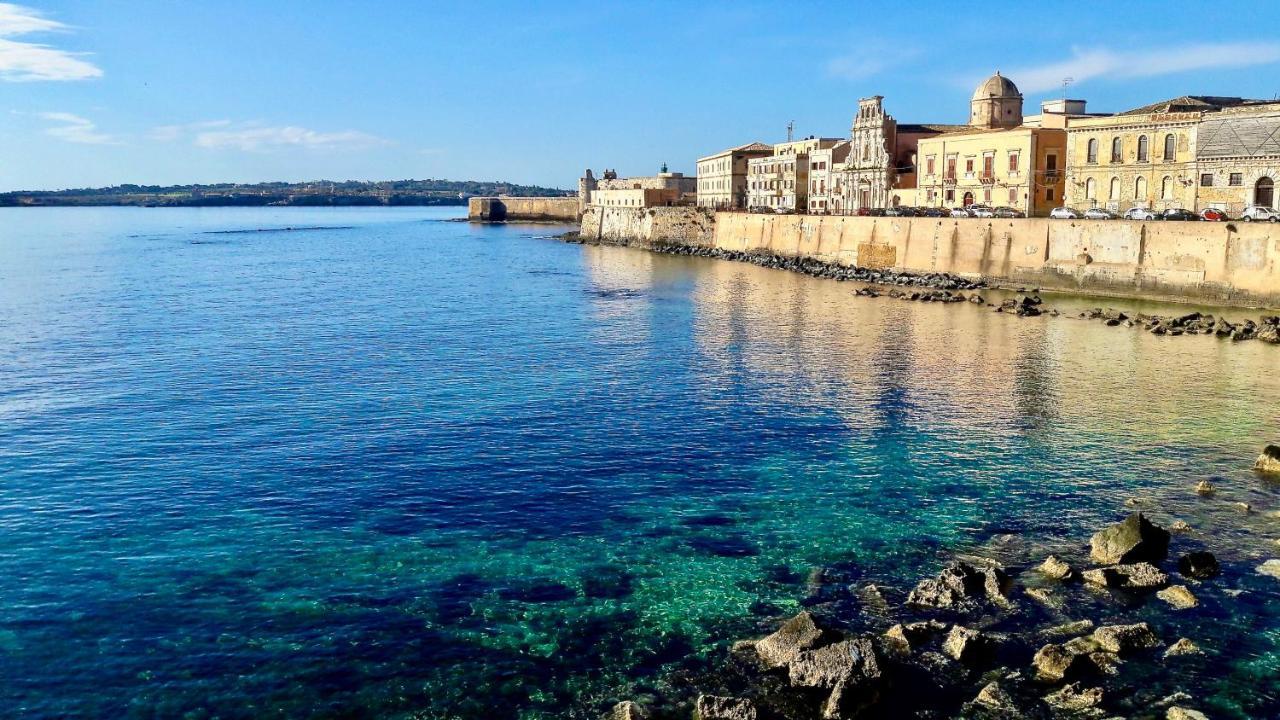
point(959, 212)
point(1099, 214)
point(1137, 213)
point(876, 212)
point(1007, 212)
point(1064, 213)
point(1260, 213)
point(862, 212)
point(784, 211)
point(1213, 215)
point(981, 211)
point(900, 211)
point(934, 212)
point(1180, 214)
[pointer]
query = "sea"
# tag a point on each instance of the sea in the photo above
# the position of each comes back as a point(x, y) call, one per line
point(384, 463)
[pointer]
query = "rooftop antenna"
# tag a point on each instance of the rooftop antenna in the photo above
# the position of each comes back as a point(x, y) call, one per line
point(791, 130)
point(1065, 82)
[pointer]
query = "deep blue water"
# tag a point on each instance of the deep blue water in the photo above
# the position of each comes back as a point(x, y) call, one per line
point(386, 465)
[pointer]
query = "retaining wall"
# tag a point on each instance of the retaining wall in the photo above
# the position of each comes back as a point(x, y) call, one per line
point(1232, 263)
point(543, 209)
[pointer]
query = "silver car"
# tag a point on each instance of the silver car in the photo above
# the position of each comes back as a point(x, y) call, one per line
point(1138, 213)
point(1098, 214)
point(1261, 213)
point(960, 212)
point(1064, 213)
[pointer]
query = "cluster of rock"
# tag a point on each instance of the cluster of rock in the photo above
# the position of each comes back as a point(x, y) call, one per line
point(831, 271)
point(965, 644)
point(1266, 329)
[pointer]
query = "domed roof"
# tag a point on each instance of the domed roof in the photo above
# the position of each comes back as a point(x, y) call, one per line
point(996, 86)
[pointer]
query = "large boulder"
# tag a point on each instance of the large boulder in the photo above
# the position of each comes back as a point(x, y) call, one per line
point(905, 638)
point(1055, 569)
point(1270, 568)
point(1181, 713)
point(1179, 597)
point(796, 635)
point(969, 647)
point(962, 587)
point(831, 665)
point(1131, 540)
point(1073, 698)
point(1137, 576)
point(716, 707)
point(1269, 460)
point(1055, 663)
point(1200, 565)
point(1125, 639)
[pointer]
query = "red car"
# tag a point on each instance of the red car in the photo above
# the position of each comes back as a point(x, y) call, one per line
point(1213, 215)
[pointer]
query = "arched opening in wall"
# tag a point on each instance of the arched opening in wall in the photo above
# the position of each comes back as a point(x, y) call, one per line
point(1090, 189)
point(1169, 146)
point(1115, 188)
point(897, 201)
point(968, 199)
point(1143, 154)
point(1140, 189)
point(1166, 188)
point(1264, 192)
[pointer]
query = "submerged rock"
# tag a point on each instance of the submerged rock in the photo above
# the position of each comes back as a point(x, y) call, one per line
point(796, 635)
point(1137, 576)
point(1205, 488)
point(1133, 539)
point(1179, 597)
point(1181, 713)
point(962, 587)
point(1125, 639)
point(1079, 627)
point(1056, 569)
point(1073, 698)
point(1183, 647)
point(716, 707)
point(1200, 565)
point(627, 710)
point(994, 697)
point(1269, 461)
point(1270, 568)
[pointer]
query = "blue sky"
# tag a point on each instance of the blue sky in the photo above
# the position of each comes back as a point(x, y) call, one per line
point(104, 92)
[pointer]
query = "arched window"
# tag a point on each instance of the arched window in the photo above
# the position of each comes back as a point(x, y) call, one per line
point(1090, 189)
point(1170, 144)
point(1093, 151)
point(1140, 189)
point(1116, 148)
point(1166, 188)
point(1264, 192)
point(1142, 149)
point(1115, 188)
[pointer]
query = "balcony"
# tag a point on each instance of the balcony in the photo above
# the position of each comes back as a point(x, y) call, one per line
point(987, 178)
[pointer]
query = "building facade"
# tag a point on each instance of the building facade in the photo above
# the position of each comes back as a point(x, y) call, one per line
point(997, 160)
point(780, 182)
point(825, 194)
point(678, 188)
point(722, 177)
point(1238, 158)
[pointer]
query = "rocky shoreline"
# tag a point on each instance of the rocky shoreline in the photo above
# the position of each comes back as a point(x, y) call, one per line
point(946, 288)
point(1083, 634)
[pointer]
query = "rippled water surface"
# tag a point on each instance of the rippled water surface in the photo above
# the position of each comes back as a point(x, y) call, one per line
point(384, 465)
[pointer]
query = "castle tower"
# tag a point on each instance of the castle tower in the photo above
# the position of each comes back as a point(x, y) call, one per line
point(586, 185)
point(996, 103)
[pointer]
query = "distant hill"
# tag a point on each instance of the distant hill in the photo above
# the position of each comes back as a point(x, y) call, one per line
point(393, 192)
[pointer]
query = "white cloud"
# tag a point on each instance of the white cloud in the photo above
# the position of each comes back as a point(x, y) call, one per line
point(26, 61)
point(1086, 64)
point(173, 133)
point(261, 139)
point(75, 129)
point(870, 58)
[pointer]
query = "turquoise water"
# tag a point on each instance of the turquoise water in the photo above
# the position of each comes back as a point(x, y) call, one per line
point(386, 465)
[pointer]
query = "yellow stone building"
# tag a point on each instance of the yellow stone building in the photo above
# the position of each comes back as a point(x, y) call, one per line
point(722, 177)
point(780, 182)
point(1238, 158)
point(1001, 158)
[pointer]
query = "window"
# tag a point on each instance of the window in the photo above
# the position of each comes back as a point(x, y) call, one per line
point(1013, 196)
point(1048, 194)
point(951, 168)
point(1115, 188)
point(951, 196)
point(1090, 189)
point(1140, 189)
point(1116, 150)
point(986, 196)
point(1206, 179)
point(1142, 149)
point(1166, 188)
point(1092, 156)
point(988, 165)
point(1170, 144)
point(1235, 179)
point(1013, 162)
point(968, 166)
point(928, 162)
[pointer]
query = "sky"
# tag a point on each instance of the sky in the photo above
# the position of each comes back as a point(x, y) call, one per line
point(104, 92)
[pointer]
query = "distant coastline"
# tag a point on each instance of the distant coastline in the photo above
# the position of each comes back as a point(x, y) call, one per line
point(280, 194)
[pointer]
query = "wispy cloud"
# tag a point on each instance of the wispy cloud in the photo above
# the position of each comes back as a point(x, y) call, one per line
point(870, 58)
point(1088, 63)
point(76, 129)
point(255, 137)
point(22, 61)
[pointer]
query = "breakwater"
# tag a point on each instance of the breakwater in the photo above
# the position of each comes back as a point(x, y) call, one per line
point(529, 209)
point(1224, 263)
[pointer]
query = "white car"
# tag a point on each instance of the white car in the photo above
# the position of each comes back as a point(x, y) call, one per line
point(1064, 213)
point(960, 212)
point(1261, 213)
point(1138, 213)
point(1098, 214)
point(981, 211)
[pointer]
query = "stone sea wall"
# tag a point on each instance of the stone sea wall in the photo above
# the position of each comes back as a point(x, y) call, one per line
point(1229, 263)
point(541, 209)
